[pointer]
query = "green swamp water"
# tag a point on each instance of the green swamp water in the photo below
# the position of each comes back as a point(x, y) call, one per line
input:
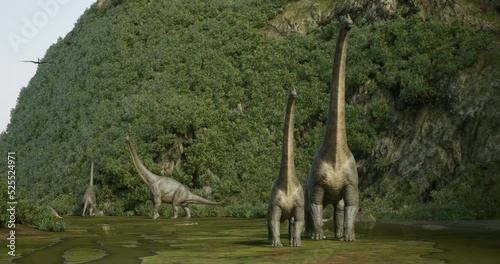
point(126, 240)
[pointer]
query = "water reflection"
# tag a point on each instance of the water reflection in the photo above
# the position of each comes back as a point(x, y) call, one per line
point(459, 242)
point(107, 229)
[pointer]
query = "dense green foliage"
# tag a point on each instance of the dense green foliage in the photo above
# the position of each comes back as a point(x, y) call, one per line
point(199, 85)
point(474, 195)
point(410, 57)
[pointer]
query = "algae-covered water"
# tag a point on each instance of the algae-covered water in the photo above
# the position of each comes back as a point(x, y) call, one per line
point(126, 240)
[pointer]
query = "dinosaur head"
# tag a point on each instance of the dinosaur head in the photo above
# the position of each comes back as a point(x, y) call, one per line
point(293, 92)
point(127, 138)
point(347, 22)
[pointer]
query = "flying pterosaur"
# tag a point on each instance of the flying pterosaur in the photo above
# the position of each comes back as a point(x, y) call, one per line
point(37, 61)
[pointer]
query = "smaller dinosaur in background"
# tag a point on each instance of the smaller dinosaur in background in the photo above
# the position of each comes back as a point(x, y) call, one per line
point(287, 196)
point(164, 189)
point(89, 200)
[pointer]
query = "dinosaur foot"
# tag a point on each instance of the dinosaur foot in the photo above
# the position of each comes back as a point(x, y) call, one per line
point(317, 234)
point(295, 242)
point(349, 235)
point(275, 242)
point(339, 234)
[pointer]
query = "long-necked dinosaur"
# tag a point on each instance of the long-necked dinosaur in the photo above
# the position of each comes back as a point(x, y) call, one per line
point(287, 196)
point(89, 200)
point(164, 189)
point(333, 177)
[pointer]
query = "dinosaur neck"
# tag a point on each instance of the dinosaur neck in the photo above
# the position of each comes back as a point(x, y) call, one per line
point(335, 138)
point(139, 166)
point(287, 168)
point(91, 183)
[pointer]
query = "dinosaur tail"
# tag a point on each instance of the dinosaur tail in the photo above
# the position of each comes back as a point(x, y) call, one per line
point(193, 198)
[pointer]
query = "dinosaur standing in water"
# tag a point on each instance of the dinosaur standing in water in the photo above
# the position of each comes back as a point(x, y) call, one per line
point(333, 177)
point(89, 200)
point(164, 189)
point(287, 196)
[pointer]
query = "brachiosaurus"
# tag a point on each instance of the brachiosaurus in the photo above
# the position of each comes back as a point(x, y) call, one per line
point(164, 189)
point(333, 177)
point(89, 199)
point(287, 196)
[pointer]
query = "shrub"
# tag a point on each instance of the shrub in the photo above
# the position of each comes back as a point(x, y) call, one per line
point(116, 208)
point(361, 135)
point(378, 113)
point(477, 189)
point(245, 210)
point(452, 211)
point(50, 223)
point(38, 215)
point(409, 56)
point(66, 204)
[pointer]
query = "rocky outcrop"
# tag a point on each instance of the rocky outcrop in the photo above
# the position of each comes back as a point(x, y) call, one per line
point(479, 13)
point(371, 10)
point(434, 144)
point(173, 157)
point(300, 16)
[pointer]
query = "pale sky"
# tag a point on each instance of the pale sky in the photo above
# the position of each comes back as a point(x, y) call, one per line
point(27, 29)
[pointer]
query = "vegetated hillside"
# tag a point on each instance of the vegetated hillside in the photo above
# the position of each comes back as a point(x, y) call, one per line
point(201, 87)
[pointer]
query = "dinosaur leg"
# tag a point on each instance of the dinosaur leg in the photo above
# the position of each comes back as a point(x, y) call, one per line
point(296, 230)
point(316, 207)
point(307, 216)
point(186, 210)
point(84, 208)
point(91, 211)
point(269, 229)
point(351, 208)
point(156, 207)
point(338, 219)
point(274, 226)
point(176, 213)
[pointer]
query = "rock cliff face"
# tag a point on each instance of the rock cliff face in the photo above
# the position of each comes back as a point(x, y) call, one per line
point(301, 15)
point(444, 10)
point(434, 143)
